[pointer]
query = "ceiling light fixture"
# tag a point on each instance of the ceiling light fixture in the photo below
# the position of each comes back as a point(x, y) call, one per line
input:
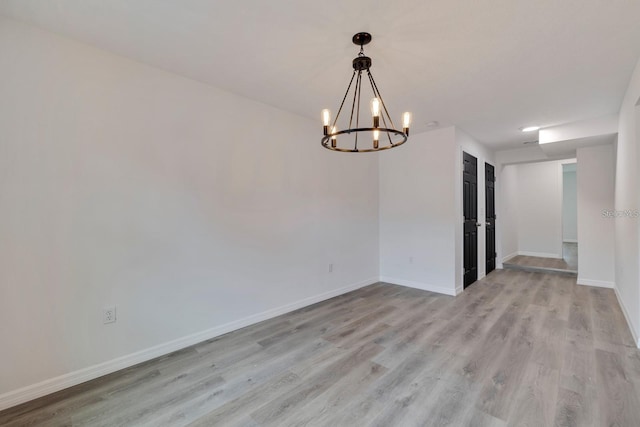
point(383, 132)
point(530, 128)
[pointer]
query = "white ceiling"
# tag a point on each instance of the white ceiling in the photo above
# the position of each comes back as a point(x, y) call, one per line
point(487, 66)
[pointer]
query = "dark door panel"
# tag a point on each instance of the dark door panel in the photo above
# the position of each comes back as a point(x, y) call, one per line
point(470, 210)
point(490, 202)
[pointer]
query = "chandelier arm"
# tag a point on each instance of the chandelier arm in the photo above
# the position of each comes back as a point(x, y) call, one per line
point(384, 120)
point(389, 138)
point(355, 93)
point(358, 112)
point(375, 87)
point(343, 99)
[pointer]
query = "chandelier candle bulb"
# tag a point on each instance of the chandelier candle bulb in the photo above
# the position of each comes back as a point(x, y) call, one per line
point(376, 138)
point(406, 122)
point(375, 112)
point(326, 118)
point(334, 137)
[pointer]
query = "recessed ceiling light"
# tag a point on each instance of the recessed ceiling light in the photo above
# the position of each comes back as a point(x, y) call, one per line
point(433, 124)
point(530, 128)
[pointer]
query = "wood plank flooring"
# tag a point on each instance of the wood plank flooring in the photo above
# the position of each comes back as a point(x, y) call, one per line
point(516, 348)
point(568, 263)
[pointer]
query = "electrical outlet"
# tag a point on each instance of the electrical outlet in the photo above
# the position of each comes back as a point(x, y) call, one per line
point(109, 314)
point(330, 268)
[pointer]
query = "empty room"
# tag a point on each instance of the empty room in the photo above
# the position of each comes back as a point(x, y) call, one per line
point(360, 213)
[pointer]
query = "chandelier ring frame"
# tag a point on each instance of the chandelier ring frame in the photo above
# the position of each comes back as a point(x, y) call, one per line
point(327, 139)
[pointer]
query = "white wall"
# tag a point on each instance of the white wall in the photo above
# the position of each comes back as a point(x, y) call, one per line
point(507, 222)
point(540, 209)
point(467, 144)
point(627, 193)
point(193, 210)
point(596, 266)
point(421, 211)
point(570, 206)
point(417, 212)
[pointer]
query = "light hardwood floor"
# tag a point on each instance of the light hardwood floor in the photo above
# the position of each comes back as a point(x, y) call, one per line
point(568, 263)
point(516, 348)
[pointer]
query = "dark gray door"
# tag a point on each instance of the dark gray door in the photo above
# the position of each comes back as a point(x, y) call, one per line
point(490, 208)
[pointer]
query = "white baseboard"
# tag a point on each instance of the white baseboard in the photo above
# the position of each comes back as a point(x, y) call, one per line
point(420, 285)
point(598, 283)
point(508, 257)
point(569, 241)
point(540, 254)
point(61, 382)
point(634, 334)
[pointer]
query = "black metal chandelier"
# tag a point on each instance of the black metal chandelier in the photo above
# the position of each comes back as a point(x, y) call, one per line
point(381, 137)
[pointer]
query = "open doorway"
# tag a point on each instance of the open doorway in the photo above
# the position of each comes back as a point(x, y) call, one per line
point(570, 215)
point(539, 211)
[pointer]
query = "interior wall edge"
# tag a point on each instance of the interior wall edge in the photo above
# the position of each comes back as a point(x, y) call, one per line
point(596, 283)
point(422, 286)
point(508, 257)
point(540, 254)
point(627, 317)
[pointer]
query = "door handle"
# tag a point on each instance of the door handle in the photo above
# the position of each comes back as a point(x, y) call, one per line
point(478, 224)
point(488, 223)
